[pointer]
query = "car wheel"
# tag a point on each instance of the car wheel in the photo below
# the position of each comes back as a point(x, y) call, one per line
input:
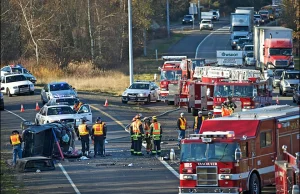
point(294, 100)
point(36, 122)
point(148, 100)
point(31, 93)
point(8, 93)
point(283, 94)
point(170, 102)
point(254, 185)
point(280, 91)
point(232, 47)
point(124, 102)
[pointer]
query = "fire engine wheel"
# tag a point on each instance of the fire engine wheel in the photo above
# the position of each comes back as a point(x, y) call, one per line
point(254, 184)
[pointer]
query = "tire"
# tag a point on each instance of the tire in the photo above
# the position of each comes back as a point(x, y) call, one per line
point(148, 100)
point(283, 94)
point(232, 47)
point(36, 122)
point(8, 93)
point(294, 100)
point(31, 93)
point(280, 91)
point(254, 184)
point(170, 102)
point(194, 111)
point(124, 102)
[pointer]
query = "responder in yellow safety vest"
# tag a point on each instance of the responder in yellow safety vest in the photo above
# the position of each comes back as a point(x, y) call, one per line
point(16, 142)
point(182, 126)
point(84, 136)
point(156, 135)
point(148, 140)
point(137, 134)
point(198, 122)
point(99, 135)
point(131, 138)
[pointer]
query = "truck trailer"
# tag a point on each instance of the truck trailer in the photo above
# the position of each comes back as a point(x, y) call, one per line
point(273, 47)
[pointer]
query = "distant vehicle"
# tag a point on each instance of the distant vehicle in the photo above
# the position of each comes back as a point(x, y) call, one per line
point(18, 70)
point(288, 81)
point(1, 100)
point(241, 42)
point(207, 15)
point(247, 48)
point(141, 91)
point(257, 19)
point(249, 59)
point(188, 19)
point(206, 24)
point(234, 39)
point(216, 14)
point(57, 90)
point(296, 94)
point(14, 84)
point(70, 101)
point(277, 76)
point(63, 113)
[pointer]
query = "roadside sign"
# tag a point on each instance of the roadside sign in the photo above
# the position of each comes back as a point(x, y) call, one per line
point(230, 57)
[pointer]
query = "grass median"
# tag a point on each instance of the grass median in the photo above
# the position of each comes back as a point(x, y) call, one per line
point(9, 184)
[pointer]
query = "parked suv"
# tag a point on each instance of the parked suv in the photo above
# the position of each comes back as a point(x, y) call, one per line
point(13, 84)
point(141, 91)
point(18, 70)
point(188, 19)
point(288, 81)
point(296, 94)
point(57, 90)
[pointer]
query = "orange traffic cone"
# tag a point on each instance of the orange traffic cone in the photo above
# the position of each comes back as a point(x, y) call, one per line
point(106, 103)
point(37, 108)
point(22, 108)
point(277, 100)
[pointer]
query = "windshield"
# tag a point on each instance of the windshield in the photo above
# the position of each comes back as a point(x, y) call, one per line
point(248, 48)
point(66, 101)
point(171, 75)
point(212, 152)
point(16, 70)
point(188, 17)
point(263, 12)
point(238, 37)
point(281, 51)
point(278, 73)
point(257, 16)
point(241, 41)
point(240, 28)
point(139, 86)
point(233, 90)
point(25, 71)
point(198, 63)
point(57, 87)
point(16, 78)
point(249, 54)
point(60, 110)
point(291, 76)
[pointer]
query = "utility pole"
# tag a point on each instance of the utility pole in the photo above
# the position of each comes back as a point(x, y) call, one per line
point(168, 19)
point(199, 13)
point(130, 42)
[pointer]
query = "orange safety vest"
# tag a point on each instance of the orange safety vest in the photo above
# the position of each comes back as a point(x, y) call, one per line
point(78, 106)
point(226, 112)
point(136, 126)
point(98, 128)
point(156, 130)
point(182, 123)
point(15, 139)
point(82, 129)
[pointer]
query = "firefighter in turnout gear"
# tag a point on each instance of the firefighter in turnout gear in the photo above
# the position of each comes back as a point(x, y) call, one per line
point(148, 140)
point(16, 142)
point(137, 134)
point(198, 122)
point(156, 134)
point(182, 126)
point(84, 136)
point(99, 135)
point(228, 107)
point(131, 138)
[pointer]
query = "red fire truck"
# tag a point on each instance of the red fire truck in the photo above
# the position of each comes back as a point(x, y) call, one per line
point(287, 174)
point(213, 85)
point(236, 153)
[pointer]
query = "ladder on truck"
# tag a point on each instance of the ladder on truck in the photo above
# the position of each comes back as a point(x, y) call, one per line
point(232, 74)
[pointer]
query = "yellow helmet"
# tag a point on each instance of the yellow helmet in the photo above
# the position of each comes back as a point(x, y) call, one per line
point(154, 117)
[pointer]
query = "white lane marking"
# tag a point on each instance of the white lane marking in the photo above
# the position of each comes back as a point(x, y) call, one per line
point(170, 168)
point(16, 115)
point(214, 32)
point(119, 122)
point(69, 178)
point(59, 164)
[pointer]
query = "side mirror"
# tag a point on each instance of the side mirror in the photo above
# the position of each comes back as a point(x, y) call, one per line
point(237, 154)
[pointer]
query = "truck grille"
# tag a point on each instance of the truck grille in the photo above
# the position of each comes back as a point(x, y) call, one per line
point(207, 176)
point(281, 63)
point(67, 120)
point(23, 88)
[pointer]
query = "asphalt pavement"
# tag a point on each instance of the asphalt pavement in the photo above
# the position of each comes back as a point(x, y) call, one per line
point(119, 172)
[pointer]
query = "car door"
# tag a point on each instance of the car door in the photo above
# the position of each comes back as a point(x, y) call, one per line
point(152, 92)
point(3, 85)
point(45, 93)
point(85, 111)
point(41, 116)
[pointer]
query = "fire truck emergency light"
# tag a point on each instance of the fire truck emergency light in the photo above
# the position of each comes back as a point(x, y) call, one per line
point(218, 133)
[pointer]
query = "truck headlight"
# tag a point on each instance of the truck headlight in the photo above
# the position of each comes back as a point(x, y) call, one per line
point(142, 94)
point(234, 42)
point(188, 177)
point(124, 93)
point(225, 176)
point(15, 87)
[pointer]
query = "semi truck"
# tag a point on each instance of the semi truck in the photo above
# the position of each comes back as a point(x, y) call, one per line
point(273, 47)
point(247, 10)
point(240, 27)
point(236, 153)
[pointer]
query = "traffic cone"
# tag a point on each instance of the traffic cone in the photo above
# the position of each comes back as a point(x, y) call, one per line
point(277, 100)
point(37, 108)
point(22, 108)
point(106, 103)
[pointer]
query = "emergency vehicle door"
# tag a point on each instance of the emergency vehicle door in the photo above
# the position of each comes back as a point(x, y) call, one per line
point(191, 96)
point(203, 97)
point(85, 111)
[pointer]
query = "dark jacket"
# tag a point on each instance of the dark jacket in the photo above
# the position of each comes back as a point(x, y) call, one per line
point(230, 104)
point(199, 123)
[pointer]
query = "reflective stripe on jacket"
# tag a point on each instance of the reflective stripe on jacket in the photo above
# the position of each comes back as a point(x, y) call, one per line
point(15, 139)
point(156, 130)
point(98, 128)
point(182, 123)
point(83, 129)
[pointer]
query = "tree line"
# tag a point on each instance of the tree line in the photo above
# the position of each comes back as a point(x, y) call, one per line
point(88, 30)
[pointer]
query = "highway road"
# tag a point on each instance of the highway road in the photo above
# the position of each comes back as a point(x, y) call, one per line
point(113, 174)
